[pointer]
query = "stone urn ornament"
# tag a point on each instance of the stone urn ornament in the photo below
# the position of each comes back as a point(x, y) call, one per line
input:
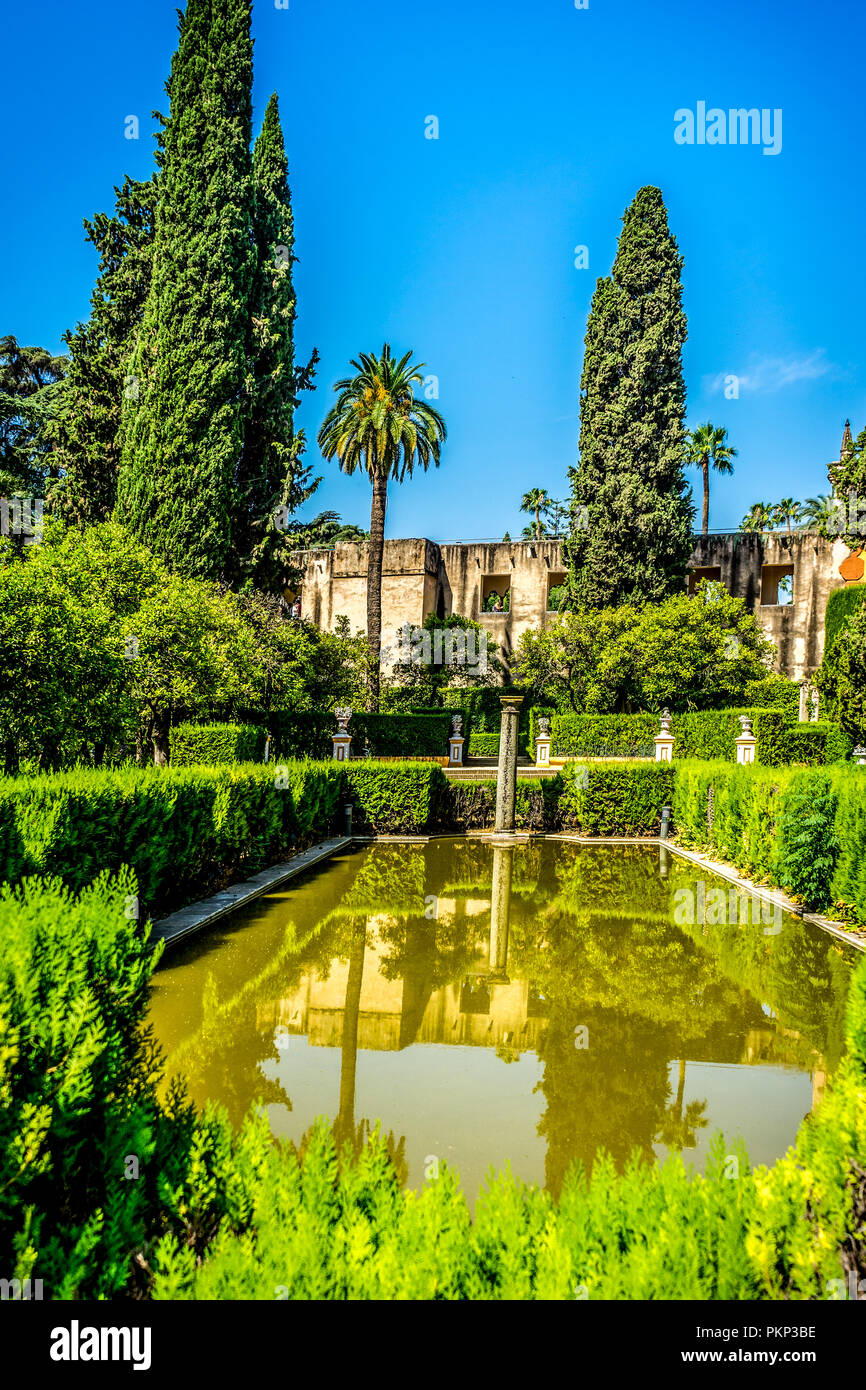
point(456, 725)
point(342, 739)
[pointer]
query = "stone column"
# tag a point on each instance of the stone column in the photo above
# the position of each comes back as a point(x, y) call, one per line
point(500, 905)
point(506, 778)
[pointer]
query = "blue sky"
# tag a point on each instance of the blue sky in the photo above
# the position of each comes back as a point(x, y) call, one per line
point(462, 248)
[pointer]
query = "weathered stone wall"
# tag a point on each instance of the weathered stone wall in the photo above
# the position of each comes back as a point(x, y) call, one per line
point(421, 577)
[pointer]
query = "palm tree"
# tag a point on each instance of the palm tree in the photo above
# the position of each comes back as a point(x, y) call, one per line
point(705, 446)
point(758, 518)
point(786, 511)
point(536, 500)
point(817, 512)
point(379, 424)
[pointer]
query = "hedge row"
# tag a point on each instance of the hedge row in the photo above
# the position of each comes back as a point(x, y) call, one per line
point(219, 1214)
point(704, 734)
point(802, 829)
point(179, 829)
point(307, 733)
point(193, 744)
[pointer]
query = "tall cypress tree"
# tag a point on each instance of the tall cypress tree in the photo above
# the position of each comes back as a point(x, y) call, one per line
point(183, 436)
point(100, 351)
point(631, 509)
point(271, 481)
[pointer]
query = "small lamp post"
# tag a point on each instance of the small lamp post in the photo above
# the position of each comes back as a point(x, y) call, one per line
point(664, 739)
point(542, 743)
point(746, 743)
point(342, 739)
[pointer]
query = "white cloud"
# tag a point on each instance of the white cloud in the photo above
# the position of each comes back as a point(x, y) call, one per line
point(764, 375)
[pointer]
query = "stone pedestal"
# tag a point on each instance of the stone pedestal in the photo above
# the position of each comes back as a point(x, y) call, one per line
point(859, 755)
point(342, 744)
point(455, 750)
point(746, 743)
point(664, 739)
point(506, 778)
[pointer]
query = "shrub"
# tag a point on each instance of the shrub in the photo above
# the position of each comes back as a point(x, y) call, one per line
point(75, 1075)
point(774, 692)
point(216, 743)
point(601, 735)
point(801, 829)
point(468, 805)
point(180, 829)
point(615, 798)
point(841, 604)
point(399, 798)
point(484, 745)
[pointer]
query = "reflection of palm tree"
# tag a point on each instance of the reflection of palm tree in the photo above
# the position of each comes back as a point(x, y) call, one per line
point(678, 1130)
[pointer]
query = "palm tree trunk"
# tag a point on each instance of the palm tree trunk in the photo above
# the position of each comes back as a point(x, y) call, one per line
point(537, 525)
point(706, 519)
point(374, 585)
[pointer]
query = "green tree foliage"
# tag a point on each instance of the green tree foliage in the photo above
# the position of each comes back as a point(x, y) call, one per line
point(631, 519)
point(706, 448)
point(271, 481)
point(325, 531)
point(841, 604)
point(841, 677)
point(100, 350)
point(32, 411)
point(425, 665)
point(379, 425)
point(687, 653)
point(183, 436)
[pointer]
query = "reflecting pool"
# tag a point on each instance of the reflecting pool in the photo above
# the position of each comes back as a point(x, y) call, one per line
point(525, 1004)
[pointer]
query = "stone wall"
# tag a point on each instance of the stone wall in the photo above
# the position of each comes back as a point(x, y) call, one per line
point(421, 577)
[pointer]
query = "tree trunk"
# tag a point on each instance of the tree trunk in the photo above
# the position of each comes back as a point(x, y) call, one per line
point(345, 1126)
point(159, 736)
point(706, 521)
point(374, 586)
point(11, 762)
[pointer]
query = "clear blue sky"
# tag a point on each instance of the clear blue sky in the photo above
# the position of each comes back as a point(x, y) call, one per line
point(462, 248)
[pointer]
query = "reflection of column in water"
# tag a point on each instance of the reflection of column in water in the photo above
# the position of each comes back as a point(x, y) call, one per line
point(664, 861)
point(349, 1050)
point(503, 860)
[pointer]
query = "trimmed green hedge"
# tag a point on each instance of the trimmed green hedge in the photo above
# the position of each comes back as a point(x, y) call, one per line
point(307, 733)
point(802, 829)
point(395, 798)
point(483, 745)
point(840, 606)
point(615, 798)
point(221, 1214)
point(703, 734)
point(193, 744)
point(179, 829)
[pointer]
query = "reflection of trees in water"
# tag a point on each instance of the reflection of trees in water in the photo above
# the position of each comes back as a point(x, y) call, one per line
point(678, 1129)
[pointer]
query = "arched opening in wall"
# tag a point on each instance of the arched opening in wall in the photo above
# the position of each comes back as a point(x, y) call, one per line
point(777, 586)
point(495, 593)
point(293, 602)
point(712, 573)
point(555, 589)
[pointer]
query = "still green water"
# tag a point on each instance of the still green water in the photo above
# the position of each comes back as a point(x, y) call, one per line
point(522, 1005)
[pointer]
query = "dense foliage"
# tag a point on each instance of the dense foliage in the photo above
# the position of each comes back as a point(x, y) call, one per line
point(841, 605)
point(193, 744)
point(687, 653)
point(183, 831)
point(800, 829)
point(631, 511)
point(841, 678)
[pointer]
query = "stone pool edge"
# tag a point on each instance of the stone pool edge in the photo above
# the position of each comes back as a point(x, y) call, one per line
point(196, 916)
